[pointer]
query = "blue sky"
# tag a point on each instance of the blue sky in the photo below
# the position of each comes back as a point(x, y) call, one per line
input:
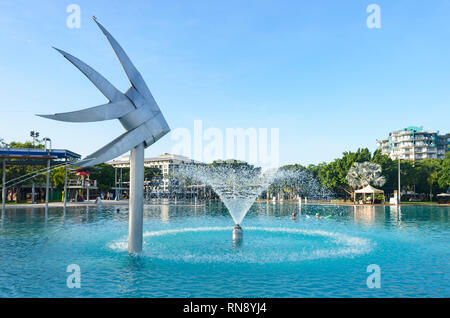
point(310, 68)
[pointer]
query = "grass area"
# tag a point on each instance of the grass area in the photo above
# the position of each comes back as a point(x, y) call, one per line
point(26, 202)
point(420, 203)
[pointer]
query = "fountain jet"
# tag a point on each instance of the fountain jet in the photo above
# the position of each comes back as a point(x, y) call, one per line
point(238, 184)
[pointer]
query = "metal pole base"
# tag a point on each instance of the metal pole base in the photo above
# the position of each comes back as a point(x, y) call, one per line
point(136, 214)
point(238, 235)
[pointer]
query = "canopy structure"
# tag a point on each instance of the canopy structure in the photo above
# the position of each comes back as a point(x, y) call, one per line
point(368, 190)
point(35, 156)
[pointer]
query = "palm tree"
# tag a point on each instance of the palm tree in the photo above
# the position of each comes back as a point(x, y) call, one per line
point(3, 143)
point(362, 174)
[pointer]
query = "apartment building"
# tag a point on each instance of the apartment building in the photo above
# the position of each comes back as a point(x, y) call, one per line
point(415, 143)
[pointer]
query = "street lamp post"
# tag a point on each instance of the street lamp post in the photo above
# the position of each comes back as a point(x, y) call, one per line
point(48, 173)
point(399, 186)
point(65, 187)
point(3, 185)
point(35, 135)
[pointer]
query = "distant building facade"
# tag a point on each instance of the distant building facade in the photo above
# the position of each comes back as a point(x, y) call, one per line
point(415, 143)
point(166, 163)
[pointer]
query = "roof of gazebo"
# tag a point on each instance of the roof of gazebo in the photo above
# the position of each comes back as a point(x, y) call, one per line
point(369, 189)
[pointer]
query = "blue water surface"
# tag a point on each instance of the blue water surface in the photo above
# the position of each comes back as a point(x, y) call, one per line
point(188, 252)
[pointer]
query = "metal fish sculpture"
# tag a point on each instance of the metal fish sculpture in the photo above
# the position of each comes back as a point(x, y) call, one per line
point(136, 109)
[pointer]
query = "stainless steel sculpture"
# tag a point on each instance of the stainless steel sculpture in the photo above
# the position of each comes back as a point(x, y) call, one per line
point(142, 119)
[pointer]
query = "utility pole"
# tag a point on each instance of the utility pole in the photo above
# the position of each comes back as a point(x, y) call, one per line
point(399, 186)
point(3, 186)
point(115, 183)
point(35, 135)
point(49, 150)
point(120, 184)
point(65, 186)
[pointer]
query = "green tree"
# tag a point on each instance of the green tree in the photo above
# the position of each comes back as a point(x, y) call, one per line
point(104, 175)
point(57, 176)
point(333, 175)
point(428, 173)
point(152, 173)
point(19, 170)
point(389, 170)
point(444, 175)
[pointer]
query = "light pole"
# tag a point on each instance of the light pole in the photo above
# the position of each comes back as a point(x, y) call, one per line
point(35, 135)
point(48, 172)
point(399, 186)
point(3, 186)
point(65, 187)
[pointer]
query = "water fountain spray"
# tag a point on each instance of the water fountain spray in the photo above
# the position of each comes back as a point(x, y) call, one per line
point(239, 184)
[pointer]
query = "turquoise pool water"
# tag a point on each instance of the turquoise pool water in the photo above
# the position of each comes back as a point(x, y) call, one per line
point(188, 252)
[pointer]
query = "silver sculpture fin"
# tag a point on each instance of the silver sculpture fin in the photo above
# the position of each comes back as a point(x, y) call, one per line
point(97, 113)
point(103, 85)
point(133, 74)
point(117, 147)
point(137, 110)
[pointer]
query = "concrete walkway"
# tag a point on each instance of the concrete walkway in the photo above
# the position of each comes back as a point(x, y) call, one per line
point(69, 204)
point(125, 202)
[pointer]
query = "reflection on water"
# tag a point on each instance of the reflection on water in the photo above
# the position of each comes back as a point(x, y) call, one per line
point(361, 214)
point(365, 214)
point(165, 213)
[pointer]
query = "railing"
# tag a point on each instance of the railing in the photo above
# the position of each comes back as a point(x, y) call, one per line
point(82, 183)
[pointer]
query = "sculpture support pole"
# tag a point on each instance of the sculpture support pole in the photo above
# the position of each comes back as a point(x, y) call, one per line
point(136, 213)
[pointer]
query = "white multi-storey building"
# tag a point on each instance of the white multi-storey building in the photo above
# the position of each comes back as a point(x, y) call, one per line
point(415, 143)
point(166, 163)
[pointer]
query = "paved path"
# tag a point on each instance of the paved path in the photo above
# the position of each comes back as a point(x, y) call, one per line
point(69, 204)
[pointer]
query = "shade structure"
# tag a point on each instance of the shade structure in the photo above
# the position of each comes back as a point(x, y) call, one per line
point(368, 190)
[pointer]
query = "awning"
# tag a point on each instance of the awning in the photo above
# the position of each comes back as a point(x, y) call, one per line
point(369, 189)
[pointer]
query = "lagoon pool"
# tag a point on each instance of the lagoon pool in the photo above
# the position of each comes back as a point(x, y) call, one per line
point(188, 252)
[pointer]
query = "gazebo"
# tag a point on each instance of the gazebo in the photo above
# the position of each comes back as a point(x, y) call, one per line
point(368, 190)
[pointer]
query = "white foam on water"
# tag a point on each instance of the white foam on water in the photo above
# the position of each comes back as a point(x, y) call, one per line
point(121, 245)
point(350, 246)
point(188, 229)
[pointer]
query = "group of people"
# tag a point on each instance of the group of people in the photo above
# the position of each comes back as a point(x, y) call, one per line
point(317, 216)
point(108, 196)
